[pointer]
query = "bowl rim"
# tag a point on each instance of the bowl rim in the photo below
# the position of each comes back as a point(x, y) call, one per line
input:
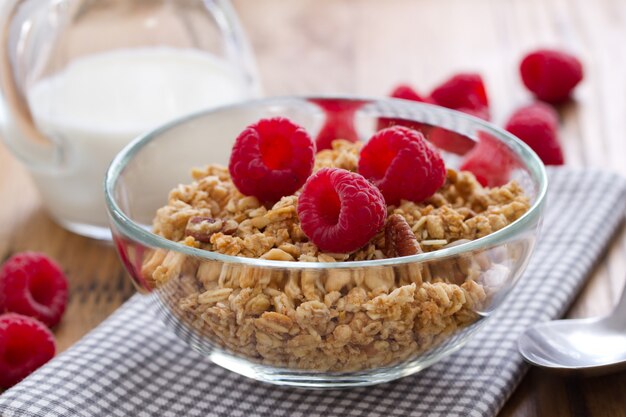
point(132, 230)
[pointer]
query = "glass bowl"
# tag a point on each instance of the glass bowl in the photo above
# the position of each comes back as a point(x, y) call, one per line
point(320, 324)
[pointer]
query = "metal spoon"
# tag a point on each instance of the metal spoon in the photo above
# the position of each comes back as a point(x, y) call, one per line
point(592, 346)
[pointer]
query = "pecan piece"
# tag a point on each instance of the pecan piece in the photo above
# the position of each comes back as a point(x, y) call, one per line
point(230, 227)
point(202, 228)
point(399, 238)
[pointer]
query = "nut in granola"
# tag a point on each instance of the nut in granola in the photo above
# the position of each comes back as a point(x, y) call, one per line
point(399, 238)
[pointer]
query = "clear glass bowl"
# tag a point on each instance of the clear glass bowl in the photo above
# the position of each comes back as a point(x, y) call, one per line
point(286, 333)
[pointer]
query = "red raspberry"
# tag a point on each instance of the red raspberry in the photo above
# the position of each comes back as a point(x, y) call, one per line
point(339, 123)
point(340, 211)
point(537, 125)
point(34, 285)
point(463, 92)
point(402, 165)
point(271, 159)
point(404, 92)
point(490, 161)
point(450, 141)
point(551, 75)
point(25, 345)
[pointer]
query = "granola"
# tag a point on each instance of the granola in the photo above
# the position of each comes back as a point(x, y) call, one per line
point(326, 319)
point(211, 214)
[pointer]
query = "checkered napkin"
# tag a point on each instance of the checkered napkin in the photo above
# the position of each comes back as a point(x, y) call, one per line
point(131, 365)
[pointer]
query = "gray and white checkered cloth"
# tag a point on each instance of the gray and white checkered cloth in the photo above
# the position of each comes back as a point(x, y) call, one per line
point(131, 365)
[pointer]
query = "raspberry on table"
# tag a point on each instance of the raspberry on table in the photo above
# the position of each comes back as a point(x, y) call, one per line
point(271, 159)
point(450, 141)
point(340, 211)
point(551, 75)
point(463, 92)
point(405, 92)
point(402, 164)
point(33, 285)
point(491, 161)
point(25, 345)
point(537, 125)
point(444, 139)
point(338, 123)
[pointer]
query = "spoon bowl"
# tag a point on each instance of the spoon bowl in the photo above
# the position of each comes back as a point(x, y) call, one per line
point(591, 346)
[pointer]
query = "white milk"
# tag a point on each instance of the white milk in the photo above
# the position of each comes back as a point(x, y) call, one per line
point(100, 102)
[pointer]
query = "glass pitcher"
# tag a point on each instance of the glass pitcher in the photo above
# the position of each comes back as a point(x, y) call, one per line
point(81, 78)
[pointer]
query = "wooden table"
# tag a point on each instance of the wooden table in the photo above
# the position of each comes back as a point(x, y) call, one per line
point(365, 47)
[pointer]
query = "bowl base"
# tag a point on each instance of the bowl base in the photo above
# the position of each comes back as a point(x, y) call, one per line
point(326, 380)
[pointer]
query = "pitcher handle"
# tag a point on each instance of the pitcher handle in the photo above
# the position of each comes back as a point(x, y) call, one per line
point(19, 130)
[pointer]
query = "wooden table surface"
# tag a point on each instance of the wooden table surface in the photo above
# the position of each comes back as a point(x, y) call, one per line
point(365, 47)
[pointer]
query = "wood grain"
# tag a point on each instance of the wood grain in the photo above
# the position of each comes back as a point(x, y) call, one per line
point(365, 47)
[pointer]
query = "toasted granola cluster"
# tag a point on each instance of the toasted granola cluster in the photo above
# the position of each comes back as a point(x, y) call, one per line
point(242, 226)
point(325, 319)
point(332, 320)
